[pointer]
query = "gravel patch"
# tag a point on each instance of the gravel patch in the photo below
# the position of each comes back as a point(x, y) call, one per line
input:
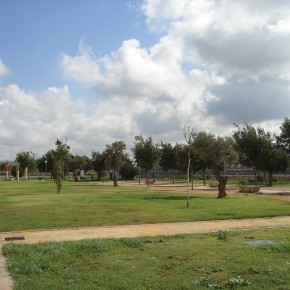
point(259, 242)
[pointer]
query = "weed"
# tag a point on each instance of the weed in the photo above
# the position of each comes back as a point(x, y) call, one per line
point(207, 283)
point(250, 237)
point(198, 269)
point(285, 248)
point(238, 281)
point(220, 235)
point(131, 243)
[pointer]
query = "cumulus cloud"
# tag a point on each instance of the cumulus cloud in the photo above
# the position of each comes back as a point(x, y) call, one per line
point(231, 35)
point(146, 90)
point(4, 70)
point(33, 121)
point(247, 42)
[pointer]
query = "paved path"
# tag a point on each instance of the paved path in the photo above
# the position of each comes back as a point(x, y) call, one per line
point(132, 231)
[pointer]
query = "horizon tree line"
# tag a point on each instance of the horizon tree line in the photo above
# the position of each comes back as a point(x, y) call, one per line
point(248, 146)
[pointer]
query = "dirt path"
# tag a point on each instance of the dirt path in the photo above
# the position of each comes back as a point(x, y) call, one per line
point(144, 230)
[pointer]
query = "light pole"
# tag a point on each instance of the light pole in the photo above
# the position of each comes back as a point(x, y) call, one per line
point(45, 165)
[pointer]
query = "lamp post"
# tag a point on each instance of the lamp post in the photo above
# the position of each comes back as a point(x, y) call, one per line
point(45, 165)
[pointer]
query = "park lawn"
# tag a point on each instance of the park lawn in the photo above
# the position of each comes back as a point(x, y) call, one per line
point(218, 260)
point(35, 205)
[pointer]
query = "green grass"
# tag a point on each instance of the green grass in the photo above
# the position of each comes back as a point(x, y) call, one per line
point(199, 261)
point(35, 205)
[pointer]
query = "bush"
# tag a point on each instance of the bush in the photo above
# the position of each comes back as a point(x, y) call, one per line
point(128, 170)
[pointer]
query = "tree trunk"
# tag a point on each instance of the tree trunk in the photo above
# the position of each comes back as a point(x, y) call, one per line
point(188, 167)
point(139, 176)
point(173, 178)
point(115, 178)
point(203, 176)
point(191, 178)
point(265, 178)
point(222, 180)
point(256, 180)
point(115, 181)
point(147, 178)
point(270, 182)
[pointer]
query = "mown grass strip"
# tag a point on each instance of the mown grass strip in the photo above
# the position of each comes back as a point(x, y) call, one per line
point(35, 205)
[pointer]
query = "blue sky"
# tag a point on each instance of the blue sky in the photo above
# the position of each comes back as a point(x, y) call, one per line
point(34, 33)
point(98, 71)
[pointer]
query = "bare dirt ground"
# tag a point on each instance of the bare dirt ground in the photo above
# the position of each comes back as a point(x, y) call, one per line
point(282, 193)
point(149, 229)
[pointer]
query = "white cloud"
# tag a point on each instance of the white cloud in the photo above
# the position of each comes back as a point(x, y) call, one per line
point(247, 42)
point(81, 68)
point(217, 62)
point(228, 35)
point(144, 89)
point(4, 70)
point(33, 121)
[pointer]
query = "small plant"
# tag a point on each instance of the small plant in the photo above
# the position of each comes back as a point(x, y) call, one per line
point(198, 269)
point(207, 283)
point(250, 237)
point(131, 243)
point(241, 182)
point(238, 281)
point(216, 270)
point(220, 235)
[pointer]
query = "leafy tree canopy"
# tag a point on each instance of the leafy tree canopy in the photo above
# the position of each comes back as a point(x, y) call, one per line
point(146, 153)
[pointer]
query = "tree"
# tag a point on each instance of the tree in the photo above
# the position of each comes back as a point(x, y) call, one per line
point(257, 148)
point(189, 135)
point(273, 159)
point(168, 158)
point(201, 147)
point(181, 156)
point(248, 147)
point(77, 163)
point(27, 162)
point(128, 170)
point(61, 156)
point(45, 163)
point(222, 155)
point(146, 153)
point(99, 164)
point(283, 140)
point(115, 157)
point(216, 153)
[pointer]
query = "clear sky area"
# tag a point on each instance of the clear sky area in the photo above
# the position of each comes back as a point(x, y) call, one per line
point(97, 71)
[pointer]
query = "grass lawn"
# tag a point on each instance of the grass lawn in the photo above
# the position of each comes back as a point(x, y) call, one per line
point(28, 205)
point(217, 260)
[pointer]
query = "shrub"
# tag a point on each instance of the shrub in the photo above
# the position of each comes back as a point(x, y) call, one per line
point(128, 170)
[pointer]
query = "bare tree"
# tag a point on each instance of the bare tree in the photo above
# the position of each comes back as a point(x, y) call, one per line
point(189, 134)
